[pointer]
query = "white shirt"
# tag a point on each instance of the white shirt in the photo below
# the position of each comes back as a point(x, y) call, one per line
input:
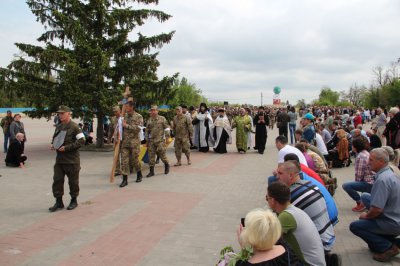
point(289, 149)
point(321, 144)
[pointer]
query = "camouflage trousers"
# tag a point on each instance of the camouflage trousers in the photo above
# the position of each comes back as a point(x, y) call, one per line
point(130, 156)
point(159, 149)
point(181, 145)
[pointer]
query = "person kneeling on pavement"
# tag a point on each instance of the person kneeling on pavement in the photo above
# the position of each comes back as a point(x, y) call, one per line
point(364, 177)
point(15, 154)
point(380, 226)
point(297, 227)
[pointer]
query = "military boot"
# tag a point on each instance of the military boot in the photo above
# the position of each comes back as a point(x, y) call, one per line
point(166, 171)
point(189, 162)
point(58, 205)
point(73, 204)
point(124, 181)
point(151, 172)
point(139, 177)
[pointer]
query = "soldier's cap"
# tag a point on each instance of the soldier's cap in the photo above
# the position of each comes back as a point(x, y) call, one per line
point(116, 108)
point(154, 107)
point(63, 109)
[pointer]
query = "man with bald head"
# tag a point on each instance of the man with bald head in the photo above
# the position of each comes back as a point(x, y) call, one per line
point(380, 226)
point(308, 197)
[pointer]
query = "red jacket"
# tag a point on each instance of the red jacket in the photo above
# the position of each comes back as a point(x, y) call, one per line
point(311, 173)
point(357, 121)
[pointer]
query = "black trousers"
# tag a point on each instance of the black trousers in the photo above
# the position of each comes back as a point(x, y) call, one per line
point(72, 172)
point(283, 131)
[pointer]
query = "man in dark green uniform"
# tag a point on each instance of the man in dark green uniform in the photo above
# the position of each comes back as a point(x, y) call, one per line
point(67, 140)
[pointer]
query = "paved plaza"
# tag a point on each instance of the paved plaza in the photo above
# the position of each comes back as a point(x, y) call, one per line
point(183, 218)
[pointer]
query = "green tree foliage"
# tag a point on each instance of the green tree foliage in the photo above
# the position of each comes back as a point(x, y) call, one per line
point(87, 58)
point(386, 96)
point(385, 91)
point(186, 93)
point(328, 97)
point(391, 93)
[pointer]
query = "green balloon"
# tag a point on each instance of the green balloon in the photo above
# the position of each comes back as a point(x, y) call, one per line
point(277, 90)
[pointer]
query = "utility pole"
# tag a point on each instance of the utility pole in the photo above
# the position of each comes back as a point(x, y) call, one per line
point(261, 99)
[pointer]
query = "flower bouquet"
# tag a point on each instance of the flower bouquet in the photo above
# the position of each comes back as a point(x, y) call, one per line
point(230, 258)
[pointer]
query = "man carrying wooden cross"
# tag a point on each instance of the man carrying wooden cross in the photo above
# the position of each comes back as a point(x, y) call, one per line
point(130, 146)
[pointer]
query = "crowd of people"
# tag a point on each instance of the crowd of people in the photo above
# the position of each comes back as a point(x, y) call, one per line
point(299, 194)
point(300, 190)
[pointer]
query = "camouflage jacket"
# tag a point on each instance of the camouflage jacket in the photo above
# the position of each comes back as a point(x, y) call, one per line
point(131, 132)
point(156, 129)
point(182, 127)
point(5, 124)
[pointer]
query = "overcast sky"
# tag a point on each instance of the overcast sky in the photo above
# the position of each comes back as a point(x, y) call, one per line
point(235, 50)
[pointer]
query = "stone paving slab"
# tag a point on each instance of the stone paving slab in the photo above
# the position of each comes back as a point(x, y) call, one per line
point(183, 218)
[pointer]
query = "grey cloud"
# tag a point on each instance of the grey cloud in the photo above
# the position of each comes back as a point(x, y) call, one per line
point(235, 49)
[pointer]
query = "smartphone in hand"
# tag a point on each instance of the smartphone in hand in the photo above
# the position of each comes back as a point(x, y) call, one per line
point(242, 221)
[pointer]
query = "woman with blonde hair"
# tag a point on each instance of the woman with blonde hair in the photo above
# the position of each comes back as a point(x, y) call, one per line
point(262, 231)
point(339, 156)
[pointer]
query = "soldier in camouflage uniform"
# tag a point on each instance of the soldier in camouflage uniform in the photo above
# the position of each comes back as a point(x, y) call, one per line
point(183, 131)
point(155, 130)
point(67, 140)
point(130, 146)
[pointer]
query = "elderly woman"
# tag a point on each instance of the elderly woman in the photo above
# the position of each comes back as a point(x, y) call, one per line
point(242, 123)
point(15, 154)
point(17, 126)
point(261, 232)
point(392, 130)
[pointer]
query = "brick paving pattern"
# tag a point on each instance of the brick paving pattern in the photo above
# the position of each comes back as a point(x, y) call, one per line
point(183, 218)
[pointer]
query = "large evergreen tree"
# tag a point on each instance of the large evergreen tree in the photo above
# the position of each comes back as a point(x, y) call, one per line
point(87, 58)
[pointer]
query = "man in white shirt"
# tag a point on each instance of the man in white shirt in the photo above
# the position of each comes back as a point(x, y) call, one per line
point(281, 143)
point(321, 144)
